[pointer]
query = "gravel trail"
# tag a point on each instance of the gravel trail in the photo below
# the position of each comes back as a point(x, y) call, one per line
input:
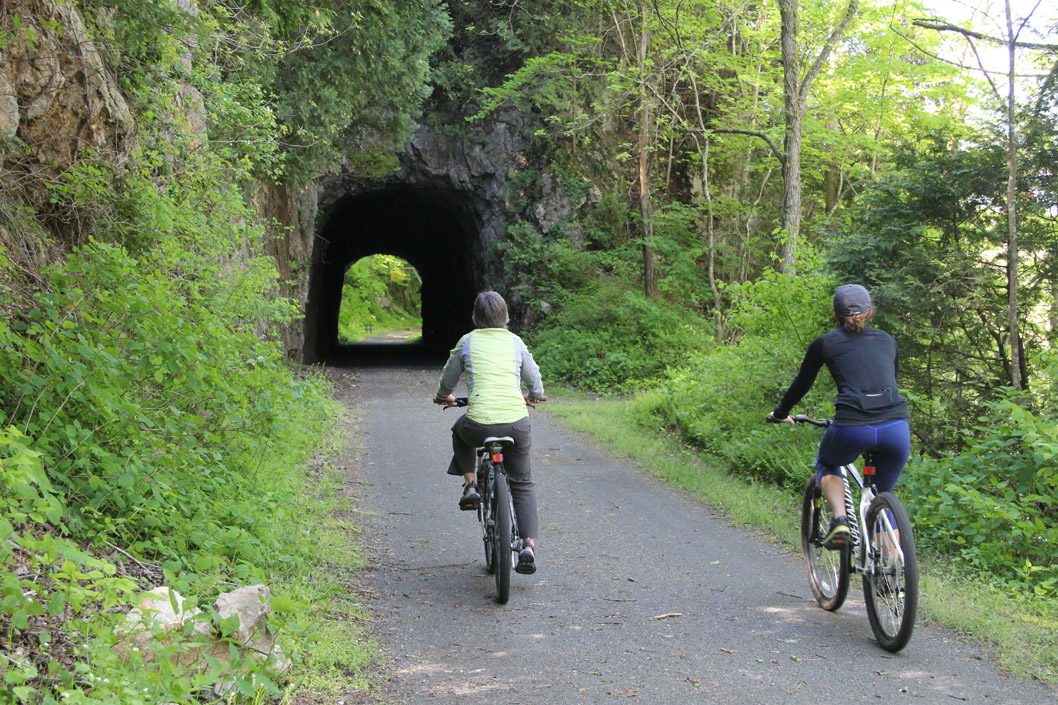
point(642, 594)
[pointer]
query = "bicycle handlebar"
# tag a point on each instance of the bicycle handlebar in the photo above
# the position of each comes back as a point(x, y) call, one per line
point(462, 401)
point(801, 419)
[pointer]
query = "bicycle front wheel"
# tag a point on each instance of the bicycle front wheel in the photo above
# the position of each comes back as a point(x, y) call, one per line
point(890, 585)
point(828, 569)
point(501, 541)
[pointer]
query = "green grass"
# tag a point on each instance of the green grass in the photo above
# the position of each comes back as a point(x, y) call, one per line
point(330, 640)
point(1022, 634)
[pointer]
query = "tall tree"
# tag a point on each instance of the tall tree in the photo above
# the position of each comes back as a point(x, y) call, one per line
point(1011, 42)
point(795, 91)
point(650, 279)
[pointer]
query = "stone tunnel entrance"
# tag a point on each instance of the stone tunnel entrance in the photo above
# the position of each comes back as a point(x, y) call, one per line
point(430, 231)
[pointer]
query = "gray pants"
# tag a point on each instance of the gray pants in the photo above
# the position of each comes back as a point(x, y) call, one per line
point(467, 437)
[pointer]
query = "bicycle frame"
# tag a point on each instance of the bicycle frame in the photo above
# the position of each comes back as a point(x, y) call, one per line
point(861, 537)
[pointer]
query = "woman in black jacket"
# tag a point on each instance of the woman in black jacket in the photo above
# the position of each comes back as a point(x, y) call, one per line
point(870, 414)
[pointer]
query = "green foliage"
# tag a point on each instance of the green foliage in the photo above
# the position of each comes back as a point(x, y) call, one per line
point(288, 89)
point(140, 411)
point(611, 337)
point(926, 241)
point(994, 507)
point(380, 291)
point(718, 399)
point(489, 41)
point(547, 267)
point(149, 401)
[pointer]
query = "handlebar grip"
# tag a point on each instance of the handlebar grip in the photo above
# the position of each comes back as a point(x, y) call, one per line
point(801, 419)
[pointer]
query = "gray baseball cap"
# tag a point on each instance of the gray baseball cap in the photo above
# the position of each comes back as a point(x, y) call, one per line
point(851, 299)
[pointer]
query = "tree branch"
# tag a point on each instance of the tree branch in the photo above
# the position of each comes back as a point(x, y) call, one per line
point(817, 65)
point(774, 150)
point(940, 25)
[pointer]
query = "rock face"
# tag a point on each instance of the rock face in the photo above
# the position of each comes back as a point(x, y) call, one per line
point(447, 208)
point(477, 182)
point(56, 94)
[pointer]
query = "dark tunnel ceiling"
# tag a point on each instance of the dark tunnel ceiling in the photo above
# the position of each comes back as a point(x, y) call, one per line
point(423, 228)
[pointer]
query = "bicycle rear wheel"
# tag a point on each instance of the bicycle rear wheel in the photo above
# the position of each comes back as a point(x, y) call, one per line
point(486, 517)
point(502, 537)
point(828, 569)
point(890, 585)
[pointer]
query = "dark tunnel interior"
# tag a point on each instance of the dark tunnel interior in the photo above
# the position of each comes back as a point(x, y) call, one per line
point(429, 231)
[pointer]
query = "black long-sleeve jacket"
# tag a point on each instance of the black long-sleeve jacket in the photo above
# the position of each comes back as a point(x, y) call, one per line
point(864, 367)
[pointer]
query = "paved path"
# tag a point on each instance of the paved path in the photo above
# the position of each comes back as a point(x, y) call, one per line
point(643, 594)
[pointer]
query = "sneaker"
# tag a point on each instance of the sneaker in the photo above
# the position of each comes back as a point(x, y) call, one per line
point(839, 533)
point(470, 498)
point(526, 560)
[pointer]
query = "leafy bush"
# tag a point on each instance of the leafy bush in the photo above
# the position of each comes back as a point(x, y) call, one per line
point(610, 338)
point(140, 411)
point(718, 399)
point(994, 508)
point(149, 406)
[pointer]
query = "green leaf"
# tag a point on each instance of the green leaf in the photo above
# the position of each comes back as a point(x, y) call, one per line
point(56, 603)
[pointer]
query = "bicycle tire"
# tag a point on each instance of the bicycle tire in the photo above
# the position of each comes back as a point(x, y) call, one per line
point(502, 537)
point(891, 590)
point(485, 516)
point(828, 569)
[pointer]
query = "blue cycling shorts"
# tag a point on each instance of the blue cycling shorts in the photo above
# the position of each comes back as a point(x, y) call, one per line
point(889, 442)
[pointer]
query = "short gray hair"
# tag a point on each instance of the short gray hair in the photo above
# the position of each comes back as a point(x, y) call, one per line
point(490, 310)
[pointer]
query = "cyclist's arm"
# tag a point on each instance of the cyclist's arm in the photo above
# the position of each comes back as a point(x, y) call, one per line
point(806, 377)
point(452, 372)
point(530, 373)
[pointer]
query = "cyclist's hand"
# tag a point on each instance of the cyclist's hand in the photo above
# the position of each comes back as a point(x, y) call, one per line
point(788, 419)
point(446, 402)
point(530, 401)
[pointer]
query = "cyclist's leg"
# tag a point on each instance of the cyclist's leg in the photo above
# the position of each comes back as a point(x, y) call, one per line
point(841, 445)
point(465, 440)
point(520, 478)
point(891, 452)
point(463, 447)
point(893, 447)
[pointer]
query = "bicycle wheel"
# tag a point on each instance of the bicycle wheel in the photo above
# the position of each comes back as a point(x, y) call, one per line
point(502, 537)
point(828, 569)
point(485, 516)
point(890, 585)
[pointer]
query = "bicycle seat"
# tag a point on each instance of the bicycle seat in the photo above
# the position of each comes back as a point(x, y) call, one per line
point(505, 440)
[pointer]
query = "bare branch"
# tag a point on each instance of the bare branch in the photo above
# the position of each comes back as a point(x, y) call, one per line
point(732, 131)
point(817, 65)
point(940, 25)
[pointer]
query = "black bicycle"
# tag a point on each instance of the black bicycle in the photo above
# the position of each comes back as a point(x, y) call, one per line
point(881, 549)
point(499, 523)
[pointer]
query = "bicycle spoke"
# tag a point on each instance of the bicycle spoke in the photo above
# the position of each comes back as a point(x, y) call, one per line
point(828, 570)
point(891, 584)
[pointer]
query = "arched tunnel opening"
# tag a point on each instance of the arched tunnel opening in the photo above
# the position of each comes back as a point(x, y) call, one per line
point(423, 227)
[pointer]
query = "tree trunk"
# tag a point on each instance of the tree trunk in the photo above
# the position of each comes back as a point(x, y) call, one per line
point(701, 189)
point(793, 110)
point(796, 96)
point(650, 282)
point(1012, 213)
